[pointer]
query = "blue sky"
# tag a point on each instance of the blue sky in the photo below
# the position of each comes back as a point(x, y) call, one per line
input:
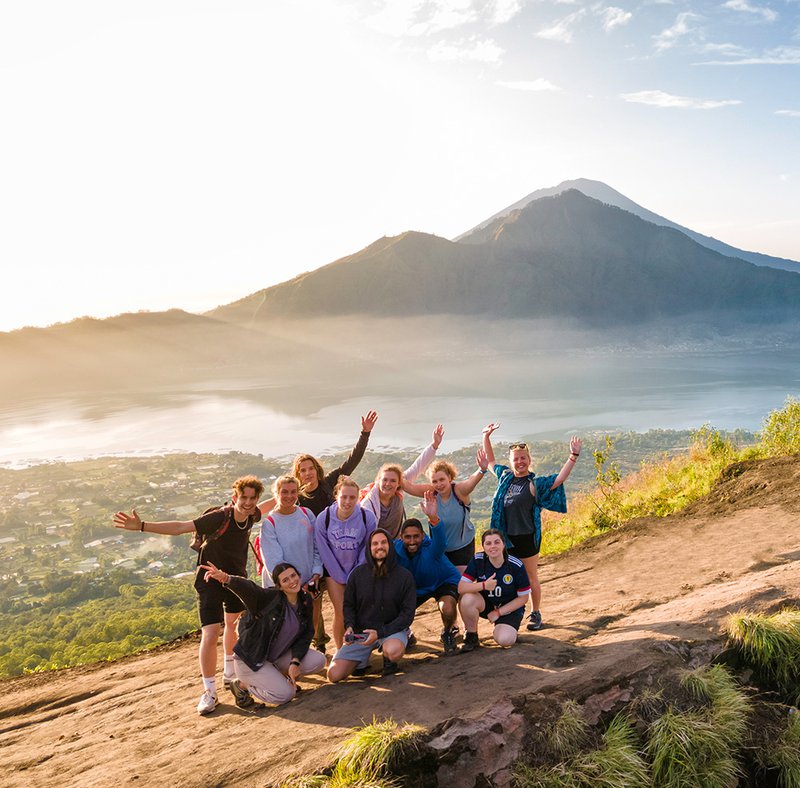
point(159, 154)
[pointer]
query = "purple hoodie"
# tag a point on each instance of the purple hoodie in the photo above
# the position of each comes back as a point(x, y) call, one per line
point(341, 543)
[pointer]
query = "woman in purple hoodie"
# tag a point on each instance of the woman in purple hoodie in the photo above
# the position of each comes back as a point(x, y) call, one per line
point(341, 532)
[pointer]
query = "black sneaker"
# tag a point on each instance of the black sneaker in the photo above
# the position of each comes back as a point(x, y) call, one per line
point(534, 621)
point(448, 641)
point(389, 667)
point(361, 671)
point(244, 700)
point(471, 642)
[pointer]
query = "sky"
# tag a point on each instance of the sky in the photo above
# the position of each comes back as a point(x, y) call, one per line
point(185, 154)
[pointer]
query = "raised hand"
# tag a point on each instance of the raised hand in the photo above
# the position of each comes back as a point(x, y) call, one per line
point(490, 428)
point(130, 522)
point(490, 583)
point(212, 573)
point(438, 434)
point(482, 458)
point(575, 444)
point(368, 421)
point(429, 506)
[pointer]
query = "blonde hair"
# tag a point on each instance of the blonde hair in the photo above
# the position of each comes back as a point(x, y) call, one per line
point(248, 481)
point(344, 481)
point(287, 478)
point(442, 466)
point(392, 467)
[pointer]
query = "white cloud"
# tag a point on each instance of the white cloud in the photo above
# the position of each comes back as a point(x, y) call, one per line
point(658, 98)
point(483, 50)
point(503, 11)
point(732, 50)
point(742, 5)
point(780, 56)
point(614, 17)
point(426, 17)
point(530, 85)
point(667, 38)
point(562, 30)
point(792, 113)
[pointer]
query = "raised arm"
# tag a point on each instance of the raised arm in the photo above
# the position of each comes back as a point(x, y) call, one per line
point(575, 445)
point(487, 442)
point(357, 454)
point(426, 455)
point(267, 506)
point(465, 487)
point(132, 522)
point(430, 508)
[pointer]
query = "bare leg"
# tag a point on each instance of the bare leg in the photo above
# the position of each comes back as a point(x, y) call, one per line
point(340, 669)
point(532, 568)
point(470, 607)
point(504, 635)
point(336, 594)
point(208, 650)
point(447, 609)
point(230, 635)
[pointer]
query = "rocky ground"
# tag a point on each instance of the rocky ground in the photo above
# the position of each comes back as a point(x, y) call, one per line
point(619, 611)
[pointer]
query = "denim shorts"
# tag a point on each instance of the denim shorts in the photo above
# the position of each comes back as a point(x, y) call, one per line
point(358, 652)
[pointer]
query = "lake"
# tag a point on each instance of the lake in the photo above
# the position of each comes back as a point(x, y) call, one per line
point(544, 395)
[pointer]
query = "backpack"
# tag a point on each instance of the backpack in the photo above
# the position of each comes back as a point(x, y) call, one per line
point(198, 542)
point(465, 507)
point(328, 517)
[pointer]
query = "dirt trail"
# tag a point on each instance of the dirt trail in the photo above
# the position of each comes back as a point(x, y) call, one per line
point(638, 598)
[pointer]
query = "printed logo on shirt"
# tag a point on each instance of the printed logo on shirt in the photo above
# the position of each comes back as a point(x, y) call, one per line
point(507, 579)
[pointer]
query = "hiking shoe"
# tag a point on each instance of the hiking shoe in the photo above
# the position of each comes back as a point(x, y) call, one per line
point(471, 642)
point(319, 646)
point(207, 704)
point(244, 700)
point(389, 667)
point(361, 671)
point(448, 641)
point(534, 621)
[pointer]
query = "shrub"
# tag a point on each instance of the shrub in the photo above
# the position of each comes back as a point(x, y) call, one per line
point(781, 433)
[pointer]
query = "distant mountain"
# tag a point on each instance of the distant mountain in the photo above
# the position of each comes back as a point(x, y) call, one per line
point(567, 256)
point(600, 191)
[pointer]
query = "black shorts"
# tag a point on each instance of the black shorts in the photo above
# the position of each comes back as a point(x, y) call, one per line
point(445, 589)
point(513, 619)
point(525, 545)
point(463, 555)
point(214, 600)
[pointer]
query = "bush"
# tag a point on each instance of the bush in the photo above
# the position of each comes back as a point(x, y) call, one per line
point(781, 433)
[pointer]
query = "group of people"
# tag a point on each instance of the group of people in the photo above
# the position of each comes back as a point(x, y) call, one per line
point(321, 532)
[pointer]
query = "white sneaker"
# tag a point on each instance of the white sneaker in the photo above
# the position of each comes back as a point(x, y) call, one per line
point(207, 704)
point(226, 681)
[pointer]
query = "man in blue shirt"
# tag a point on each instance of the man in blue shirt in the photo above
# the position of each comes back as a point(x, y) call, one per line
point(436, 577)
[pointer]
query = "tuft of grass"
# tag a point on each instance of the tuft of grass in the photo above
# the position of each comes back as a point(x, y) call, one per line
point(770, 644)
point(615, 764)
point(380, 746)
point(688, 748)
point(341, 777)
point(569, 733)
point(784, 754)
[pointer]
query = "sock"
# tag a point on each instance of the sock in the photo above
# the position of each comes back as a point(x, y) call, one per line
point(210, 685)
point(229, 670)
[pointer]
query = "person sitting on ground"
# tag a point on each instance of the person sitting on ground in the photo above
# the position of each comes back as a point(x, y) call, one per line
point(384, 496)
point(495, 586)
point(341, 532)
point(274, 636)
point(225, 536)
point(379, 603)
point(434, 575)
point(453, 503)
point(517, 507)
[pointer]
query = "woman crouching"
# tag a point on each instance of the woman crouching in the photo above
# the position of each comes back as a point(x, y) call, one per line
point(494, 586)
point(274, 636)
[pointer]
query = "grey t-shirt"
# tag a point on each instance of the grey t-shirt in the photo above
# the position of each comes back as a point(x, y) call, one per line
point(518, 505)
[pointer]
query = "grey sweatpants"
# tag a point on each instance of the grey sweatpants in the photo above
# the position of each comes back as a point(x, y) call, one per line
point(269, 683)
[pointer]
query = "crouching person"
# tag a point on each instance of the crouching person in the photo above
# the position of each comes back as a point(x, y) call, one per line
point(494, 586)
point(379, 603)
point(275, 634)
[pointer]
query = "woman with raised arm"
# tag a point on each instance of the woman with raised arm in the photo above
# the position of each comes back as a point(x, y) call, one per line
point(517, 506)
point(274, 636)
point(384, 496)
point(494, 586)
point(453, 505)
point(341, 532)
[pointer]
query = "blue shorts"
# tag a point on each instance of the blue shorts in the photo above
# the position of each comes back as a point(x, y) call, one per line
point(358, 652)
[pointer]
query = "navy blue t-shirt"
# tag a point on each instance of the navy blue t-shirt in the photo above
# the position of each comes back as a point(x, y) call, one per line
point(512, 579)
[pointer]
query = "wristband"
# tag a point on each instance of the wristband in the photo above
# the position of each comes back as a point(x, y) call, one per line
point(295, 662)
point(483, 471)
point(142, 528)
point(483, 586)
point(571, 458)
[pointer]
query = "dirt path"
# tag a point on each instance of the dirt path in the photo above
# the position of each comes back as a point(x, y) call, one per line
point(632, 599)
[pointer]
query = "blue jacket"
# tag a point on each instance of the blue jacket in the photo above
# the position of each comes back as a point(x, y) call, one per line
point(430, 567)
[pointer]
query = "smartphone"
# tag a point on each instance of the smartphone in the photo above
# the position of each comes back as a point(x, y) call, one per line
point(355, 637)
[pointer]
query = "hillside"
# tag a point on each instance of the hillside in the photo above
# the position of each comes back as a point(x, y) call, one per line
point(568, 256)
point(620, 611)
point(600, 191)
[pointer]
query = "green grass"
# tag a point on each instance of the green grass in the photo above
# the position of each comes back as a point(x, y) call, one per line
point(771, 645)
point(569, 733)
point(615, 764)
point(783, 754)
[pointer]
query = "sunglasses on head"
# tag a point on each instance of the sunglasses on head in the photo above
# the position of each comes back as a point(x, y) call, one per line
point(517, 446)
